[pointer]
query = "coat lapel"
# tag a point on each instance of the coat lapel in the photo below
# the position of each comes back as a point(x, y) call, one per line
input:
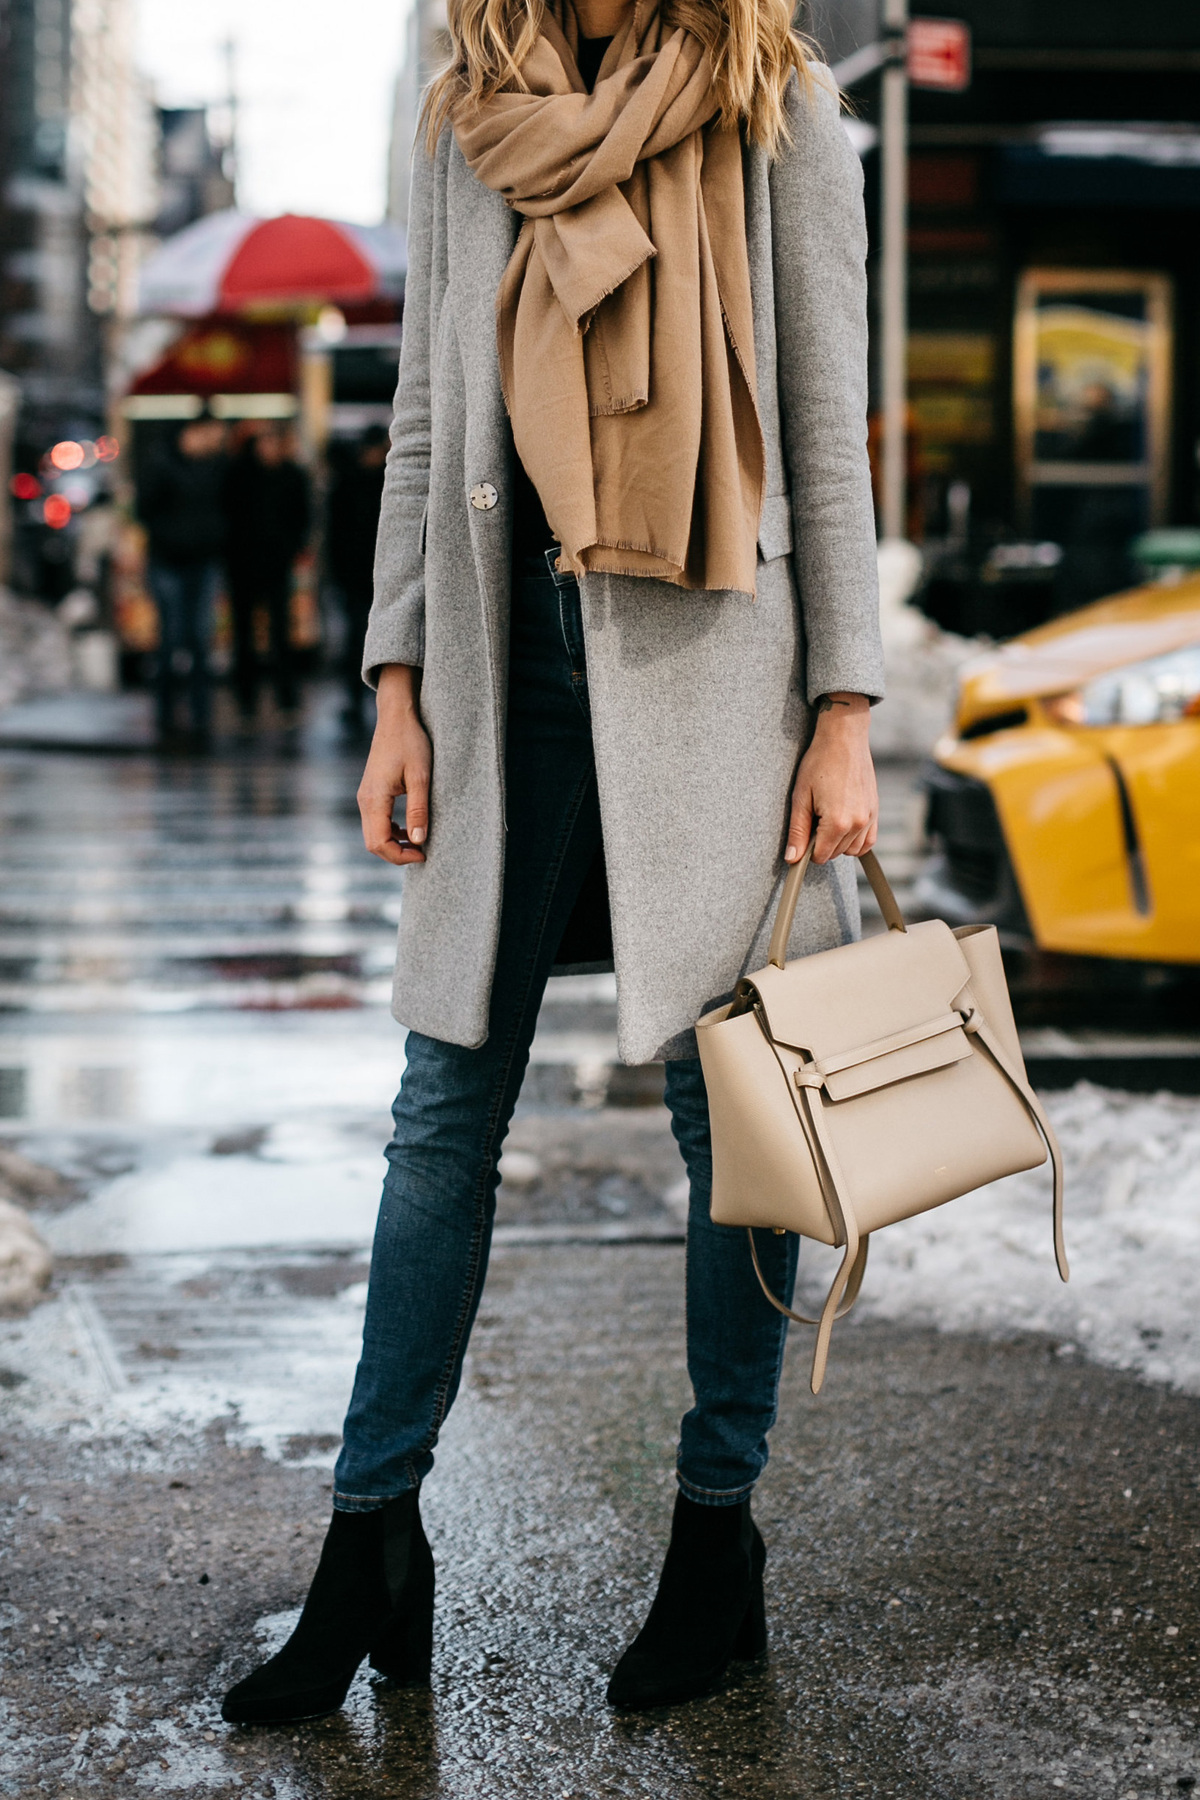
point(760, 252)
point(481, 230)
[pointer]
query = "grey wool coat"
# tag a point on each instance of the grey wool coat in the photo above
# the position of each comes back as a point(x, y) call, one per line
point(700, 701)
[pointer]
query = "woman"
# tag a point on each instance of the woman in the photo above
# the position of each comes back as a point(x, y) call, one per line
point(604, 658)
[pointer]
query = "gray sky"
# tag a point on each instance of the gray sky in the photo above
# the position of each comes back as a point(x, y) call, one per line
point(314, 82)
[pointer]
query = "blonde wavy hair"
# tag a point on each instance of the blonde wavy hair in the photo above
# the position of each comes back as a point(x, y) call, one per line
point(751, 42)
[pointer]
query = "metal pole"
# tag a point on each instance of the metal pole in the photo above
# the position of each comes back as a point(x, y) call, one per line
point(894, 297)
point(229, 50)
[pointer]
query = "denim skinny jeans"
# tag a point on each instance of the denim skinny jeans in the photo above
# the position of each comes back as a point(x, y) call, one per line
point(185, 595)
point(453, 1111)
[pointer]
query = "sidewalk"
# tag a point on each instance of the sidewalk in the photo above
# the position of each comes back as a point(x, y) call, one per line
point(79, 721)
point(980, 1573)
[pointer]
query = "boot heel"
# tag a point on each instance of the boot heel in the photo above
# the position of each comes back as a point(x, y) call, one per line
point(751, 1639)
point(403, 1651)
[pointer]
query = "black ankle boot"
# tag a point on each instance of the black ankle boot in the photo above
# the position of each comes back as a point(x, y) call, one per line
point(708, 1610)
point(372, 1595)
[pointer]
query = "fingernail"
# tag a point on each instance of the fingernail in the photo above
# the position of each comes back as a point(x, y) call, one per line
point(791, 854)
point(417, 835)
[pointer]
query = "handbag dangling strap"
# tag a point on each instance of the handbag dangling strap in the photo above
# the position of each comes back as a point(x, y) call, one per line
point(843, 1295)
point(978, 1027)
point(846, 1283)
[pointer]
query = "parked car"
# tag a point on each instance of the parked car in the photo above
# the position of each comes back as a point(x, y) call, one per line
point(1065, 802)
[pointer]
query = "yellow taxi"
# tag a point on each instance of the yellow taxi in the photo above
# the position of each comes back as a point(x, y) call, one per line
point(1065, 801)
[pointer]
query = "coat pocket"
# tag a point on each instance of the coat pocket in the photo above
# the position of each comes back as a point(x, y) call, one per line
point(775, 527)
point(424, 533)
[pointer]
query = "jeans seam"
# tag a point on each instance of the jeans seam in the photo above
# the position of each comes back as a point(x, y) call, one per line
point(738, 1493)
point(782, 1326)
point(438, 1416)
point(578, 677)
point(783, 1332)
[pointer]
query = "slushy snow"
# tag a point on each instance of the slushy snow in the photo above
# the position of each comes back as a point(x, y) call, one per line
point(985, 1263)
point(25, 1261)
point(921, 662)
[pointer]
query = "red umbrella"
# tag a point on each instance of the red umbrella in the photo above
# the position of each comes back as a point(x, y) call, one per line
point(230, 262)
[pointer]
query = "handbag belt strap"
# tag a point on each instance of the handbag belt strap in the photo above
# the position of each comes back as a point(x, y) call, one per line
point(846, 1283)
point(811, 1074)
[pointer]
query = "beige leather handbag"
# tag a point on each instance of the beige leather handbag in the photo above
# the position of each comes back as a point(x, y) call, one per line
point(865, 1084)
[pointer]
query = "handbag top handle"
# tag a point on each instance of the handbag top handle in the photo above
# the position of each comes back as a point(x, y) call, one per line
point(893, 917)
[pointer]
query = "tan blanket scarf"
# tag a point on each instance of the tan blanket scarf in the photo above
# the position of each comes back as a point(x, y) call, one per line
point(624, 320)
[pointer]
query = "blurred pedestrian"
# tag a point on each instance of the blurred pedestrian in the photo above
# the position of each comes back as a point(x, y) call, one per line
point(181, 504)
point(269, 514)
point(352, 525)
point(663, 646)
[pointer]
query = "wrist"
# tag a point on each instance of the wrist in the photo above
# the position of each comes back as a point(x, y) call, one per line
point(396, 694)
point(837, 711)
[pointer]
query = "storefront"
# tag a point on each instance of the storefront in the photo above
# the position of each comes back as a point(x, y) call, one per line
point(1054, 304)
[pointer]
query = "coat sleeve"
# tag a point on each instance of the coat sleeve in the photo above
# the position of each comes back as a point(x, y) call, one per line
point(396, 627)
point(819, 248)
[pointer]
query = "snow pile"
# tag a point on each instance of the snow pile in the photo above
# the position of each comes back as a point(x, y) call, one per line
point(985, 1263)
point(35, 650)
point(25, 1261)
point(921, 662)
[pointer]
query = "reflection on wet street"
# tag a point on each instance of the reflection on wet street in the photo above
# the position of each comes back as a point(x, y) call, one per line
point(156, 885)
point(976, 1534)
point(195, 960)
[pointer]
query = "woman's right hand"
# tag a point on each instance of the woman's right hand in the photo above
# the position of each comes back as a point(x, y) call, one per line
point(399, 763)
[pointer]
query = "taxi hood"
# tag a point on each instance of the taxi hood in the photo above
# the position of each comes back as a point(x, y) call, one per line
point(1060, 656)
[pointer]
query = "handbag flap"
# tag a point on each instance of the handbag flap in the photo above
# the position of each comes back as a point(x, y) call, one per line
point(838, 1001)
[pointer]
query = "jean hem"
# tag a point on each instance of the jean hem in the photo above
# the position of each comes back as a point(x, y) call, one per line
point(363, 1503)
point(713, 1496)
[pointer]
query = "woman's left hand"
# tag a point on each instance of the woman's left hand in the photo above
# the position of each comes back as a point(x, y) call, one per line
point(835, 785)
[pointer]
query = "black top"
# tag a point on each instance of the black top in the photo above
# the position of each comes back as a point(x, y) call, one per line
point(180, 504)
point(352, 524)
point(531, 532)
point(589, 57)
point(268, 513)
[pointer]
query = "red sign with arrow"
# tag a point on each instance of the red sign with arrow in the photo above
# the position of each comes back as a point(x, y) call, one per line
point(939, 54)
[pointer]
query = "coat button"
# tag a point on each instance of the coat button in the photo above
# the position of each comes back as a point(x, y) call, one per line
point(483, 496)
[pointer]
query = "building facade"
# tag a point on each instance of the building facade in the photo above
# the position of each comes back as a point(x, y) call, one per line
point(77, 198)
point(426, 47)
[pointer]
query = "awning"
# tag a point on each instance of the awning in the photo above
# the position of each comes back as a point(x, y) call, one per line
point(230, 263)
point(223, 356)
point(1103, 165)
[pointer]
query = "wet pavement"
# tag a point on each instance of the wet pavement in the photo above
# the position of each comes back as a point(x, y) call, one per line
point(983, 1535)
point(981, 1578)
